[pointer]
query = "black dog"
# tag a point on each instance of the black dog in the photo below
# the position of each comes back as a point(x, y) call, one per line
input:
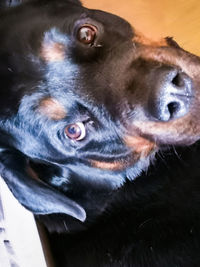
point(85, 103)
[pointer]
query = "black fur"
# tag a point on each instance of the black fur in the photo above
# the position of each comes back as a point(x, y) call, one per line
point(99, 208)
point(150, 222)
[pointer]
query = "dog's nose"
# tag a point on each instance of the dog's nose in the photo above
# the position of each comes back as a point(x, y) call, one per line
point(170, 94)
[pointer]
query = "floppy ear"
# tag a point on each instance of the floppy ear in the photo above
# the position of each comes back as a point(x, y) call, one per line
point(33, 194)
point(10, 3)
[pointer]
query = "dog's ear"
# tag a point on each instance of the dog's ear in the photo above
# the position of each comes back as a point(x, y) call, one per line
point(32, 193)
point(11, 3)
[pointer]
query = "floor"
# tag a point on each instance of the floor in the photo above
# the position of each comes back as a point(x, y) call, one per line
point(17, 247)
point(159, 18)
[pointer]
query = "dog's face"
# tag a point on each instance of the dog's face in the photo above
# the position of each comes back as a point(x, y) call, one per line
point(83, 91)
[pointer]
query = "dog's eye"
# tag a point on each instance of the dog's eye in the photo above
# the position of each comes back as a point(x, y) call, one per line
point(86, 34)
point(76, 131)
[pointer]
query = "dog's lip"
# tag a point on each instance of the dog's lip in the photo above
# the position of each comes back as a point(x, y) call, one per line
point(136, 148)
point(115, 165)
point(136, 151)
point(113, 162)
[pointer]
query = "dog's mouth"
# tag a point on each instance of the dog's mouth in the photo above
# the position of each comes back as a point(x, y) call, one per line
point(139, 149)
point(116, 165)
point(147, 137)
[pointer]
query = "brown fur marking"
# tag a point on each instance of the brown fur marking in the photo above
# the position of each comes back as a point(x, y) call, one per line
point(141, 148)
point(52, 109)
point(53, 52)
point(177, 130)
point(112, 166)
point(140, 145)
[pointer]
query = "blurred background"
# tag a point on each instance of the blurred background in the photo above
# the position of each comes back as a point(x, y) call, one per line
point(159, 18)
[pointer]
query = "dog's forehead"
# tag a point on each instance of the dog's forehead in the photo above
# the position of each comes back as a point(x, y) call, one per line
point(112, 22)
point(58, 13)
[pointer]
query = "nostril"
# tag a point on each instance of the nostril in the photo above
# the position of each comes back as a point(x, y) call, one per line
point(173, 109)
point(171, 94)
point(178, 80)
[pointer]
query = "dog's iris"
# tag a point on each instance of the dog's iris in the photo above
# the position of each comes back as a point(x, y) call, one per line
point(87, 34)
point(75, 131)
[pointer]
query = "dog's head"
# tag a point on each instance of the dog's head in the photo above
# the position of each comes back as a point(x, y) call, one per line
point(86, 95)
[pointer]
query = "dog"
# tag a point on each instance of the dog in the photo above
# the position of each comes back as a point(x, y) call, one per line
point(86, 103)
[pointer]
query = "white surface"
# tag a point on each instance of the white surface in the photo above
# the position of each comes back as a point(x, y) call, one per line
point(21, 231)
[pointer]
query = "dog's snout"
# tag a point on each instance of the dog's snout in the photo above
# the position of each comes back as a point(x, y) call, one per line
point(170, 94)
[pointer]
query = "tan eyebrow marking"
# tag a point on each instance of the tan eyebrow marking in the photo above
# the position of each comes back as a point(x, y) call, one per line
point(52, 52)
point(52, 109)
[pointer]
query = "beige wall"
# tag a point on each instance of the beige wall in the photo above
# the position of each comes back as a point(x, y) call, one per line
point(159, 18)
